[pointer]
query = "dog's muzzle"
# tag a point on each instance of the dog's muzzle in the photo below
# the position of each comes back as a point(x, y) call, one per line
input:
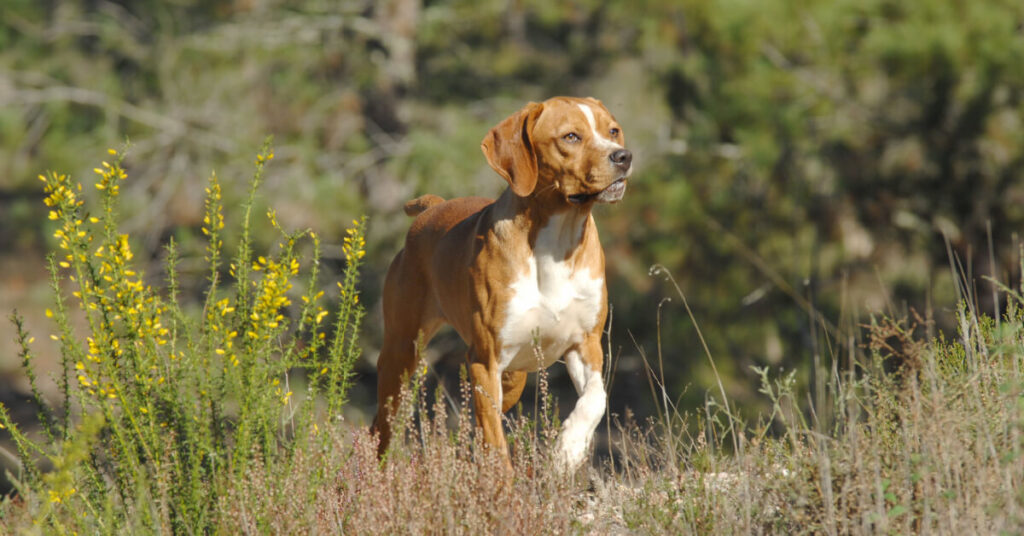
point(611, 194)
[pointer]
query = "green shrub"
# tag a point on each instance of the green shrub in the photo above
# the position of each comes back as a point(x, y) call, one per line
point(163, 408)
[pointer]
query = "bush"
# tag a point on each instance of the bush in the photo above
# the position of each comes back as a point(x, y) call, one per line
point(163, 409)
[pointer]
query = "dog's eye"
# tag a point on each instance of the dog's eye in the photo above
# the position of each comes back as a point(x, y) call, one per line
point(571, 137)
point(614, 132)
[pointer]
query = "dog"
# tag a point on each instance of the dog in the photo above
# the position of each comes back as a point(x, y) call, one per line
point(514, 274)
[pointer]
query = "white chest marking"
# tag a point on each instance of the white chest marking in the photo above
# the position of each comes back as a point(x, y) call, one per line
point(601, 141)
point(553, 304)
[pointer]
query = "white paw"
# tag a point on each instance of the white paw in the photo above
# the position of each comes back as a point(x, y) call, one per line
point(570, 451)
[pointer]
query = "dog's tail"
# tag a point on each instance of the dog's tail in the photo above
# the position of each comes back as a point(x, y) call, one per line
point(421, 203)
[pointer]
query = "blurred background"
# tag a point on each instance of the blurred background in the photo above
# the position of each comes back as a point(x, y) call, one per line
point(800, 167)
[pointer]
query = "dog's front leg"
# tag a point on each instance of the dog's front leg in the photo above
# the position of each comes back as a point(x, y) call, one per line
point(486, 378)
point(584, 365)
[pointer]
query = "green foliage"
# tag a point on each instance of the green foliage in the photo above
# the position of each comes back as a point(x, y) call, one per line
point(175, 407)
point(829, 146)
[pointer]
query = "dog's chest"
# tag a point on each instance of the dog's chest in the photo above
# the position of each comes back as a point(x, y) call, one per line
point(552, 306)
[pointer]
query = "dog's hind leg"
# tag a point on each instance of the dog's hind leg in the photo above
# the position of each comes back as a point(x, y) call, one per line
point(410, 319)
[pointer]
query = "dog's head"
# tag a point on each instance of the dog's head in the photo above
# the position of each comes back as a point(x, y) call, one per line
point(570, 145)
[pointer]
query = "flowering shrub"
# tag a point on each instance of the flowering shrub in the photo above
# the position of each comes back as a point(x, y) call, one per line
point(160, 406)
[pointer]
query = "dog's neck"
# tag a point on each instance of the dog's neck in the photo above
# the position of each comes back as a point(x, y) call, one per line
point(563, 223)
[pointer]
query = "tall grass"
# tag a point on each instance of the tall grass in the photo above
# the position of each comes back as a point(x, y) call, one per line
point(179, 422)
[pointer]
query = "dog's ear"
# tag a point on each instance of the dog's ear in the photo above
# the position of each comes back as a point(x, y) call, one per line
point(509, 149)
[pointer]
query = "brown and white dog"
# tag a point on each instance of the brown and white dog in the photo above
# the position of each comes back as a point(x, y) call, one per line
point(510, 275)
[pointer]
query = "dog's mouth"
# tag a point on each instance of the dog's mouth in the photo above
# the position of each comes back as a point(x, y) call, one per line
point(610, 194)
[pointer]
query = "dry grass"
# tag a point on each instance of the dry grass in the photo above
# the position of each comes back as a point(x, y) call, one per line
point(925, 438)
point(927, 450)
point(934, 449)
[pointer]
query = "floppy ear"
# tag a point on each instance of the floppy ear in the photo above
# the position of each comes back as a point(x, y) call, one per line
point(509, 149)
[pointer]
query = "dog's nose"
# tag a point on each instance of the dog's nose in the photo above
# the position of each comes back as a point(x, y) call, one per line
point(621, 158)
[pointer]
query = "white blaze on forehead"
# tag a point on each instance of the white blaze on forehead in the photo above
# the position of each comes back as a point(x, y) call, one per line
point(589, 114)
point(601, 140)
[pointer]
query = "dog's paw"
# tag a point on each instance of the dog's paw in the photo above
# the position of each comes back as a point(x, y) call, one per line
point(570, 451)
